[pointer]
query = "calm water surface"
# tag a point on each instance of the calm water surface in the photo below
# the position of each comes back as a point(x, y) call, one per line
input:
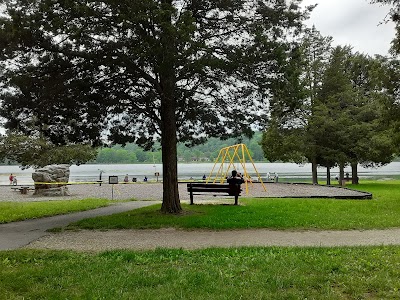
point(286, 171)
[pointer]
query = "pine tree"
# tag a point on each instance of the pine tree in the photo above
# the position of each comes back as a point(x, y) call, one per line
point(142, 71)
point(288, 137)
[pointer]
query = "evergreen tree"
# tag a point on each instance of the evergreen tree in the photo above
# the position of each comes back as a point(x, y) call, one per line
point(342, 119)
point(349, 119)
point(288, 136)
point(317, 50)
point(141, 71)
point(372, 144)
point(390, 98)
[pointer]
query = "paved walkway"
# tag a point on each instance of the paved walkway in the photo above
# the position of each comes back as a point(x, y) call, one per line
point(18, 234)
point(88, 240)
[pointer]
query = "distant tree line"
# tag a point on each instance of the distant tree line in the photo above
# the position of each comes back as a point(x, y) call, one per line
point(207, 152)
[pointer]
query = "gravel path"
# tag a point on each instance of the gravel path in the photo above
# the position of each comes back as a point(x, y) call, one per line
point(153, 191)
point(173, 238)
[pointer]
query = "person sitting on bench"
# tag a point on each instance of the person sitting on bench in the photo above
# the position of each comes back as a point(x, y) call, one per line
point(234, 183)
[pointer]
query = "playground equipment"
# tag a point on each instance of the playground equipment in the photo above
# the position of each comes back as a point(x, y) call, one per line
point(231, 155)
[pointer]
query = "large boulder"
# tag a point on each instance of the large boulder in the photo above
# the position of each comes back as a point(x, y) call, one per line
point(51, 180)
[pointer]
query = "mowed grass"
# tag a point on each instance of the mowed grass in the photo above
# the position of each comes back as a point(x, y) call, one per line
point(381, 212)
point(241, 273)
point(235, 273)
point(18, 211)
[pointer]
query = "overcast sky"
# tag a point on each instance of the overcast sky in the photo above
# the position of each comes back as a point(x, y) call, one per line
point(353, 22)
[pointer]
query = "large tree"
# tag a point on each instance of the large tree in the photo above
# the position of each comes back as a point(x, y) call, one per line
point(350, 100)
point(372, 143)
point(288, 136)
point(343, 120)
point(391, 97)
point(139, 71)
point(316, 52)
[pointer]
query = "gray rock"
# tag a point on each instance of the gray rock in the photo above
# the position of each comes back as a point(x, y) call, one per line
point(51, 180)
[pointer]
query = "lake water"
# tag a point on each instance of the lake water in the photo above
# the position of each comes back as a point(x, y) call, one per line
point(286, 171)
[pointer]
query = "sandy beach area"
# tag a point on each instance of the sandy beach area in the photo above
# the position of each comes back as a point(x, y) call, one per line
point(154, 191)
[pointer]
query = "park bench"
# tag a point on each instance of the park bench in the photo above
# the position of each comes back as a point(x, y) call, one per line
point(347, 179)
point(205, 188)
point(350, 179)
point(22, 189)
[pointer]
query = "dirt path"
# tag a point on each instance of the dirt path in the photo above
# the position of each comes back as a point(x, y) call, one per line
point(15, 235)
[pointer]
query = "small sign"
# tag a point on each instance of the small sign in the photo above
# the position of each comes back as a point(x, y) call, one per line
point(157, 174)
point(113, 179)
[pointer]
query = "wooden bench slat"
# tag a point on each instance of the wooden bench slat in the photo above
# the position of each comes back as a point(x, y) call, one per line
point(207, 185)
point(213, 188)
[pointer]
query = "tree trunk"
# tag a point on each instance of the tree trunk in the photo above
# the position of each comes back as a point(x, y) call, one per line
point(354, 173)
point(328, 175)
point(171, 202)
point(314, 171)
point(341, 174)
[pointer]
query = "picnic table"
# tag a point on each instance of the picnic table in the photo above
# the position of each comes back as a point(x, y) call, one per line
point(22, 189)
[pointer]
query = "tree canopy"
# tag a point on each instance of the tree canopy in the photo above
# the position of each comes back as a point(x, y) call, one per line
point(341, 118)
point(141, 71)
point(290, 124)
point(39, 152)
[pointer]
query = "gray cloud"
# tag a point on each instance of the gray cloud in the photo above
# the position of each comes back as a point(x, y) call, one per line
point(356, 23)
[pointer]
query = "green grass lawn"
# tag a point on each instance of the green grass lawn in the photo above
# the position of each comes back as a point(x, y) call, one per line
point(381, 212)
point(241, 273)
point(18, 211)
point(236, 273)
